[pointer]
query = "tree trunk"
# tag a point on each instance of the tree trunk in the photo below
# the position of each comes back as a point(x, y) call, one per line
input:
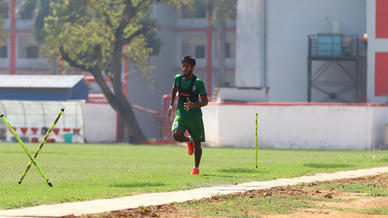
point(221, 50)
point(116, 96)
point(121, 105)
point(133, 132)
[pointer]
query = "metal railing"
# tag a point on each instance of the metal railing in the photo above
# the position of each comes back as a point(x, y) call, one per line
point(333, 45)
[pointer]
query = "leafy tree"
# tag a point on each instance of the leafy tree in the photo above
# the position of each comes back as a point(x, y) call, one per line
point(4, 10)
point(91, 34)
point(38, 10)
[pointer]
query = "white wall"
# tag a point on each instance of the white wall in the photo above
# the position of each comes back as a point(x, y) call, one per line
point(100, 123)
point(380, 119)
point(374, 45)
point(288, 24)
point(317, 126)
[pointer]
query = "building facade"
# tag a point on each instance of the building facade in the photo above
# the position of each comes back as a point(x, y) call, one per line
point(182, 33)
point(273, 47)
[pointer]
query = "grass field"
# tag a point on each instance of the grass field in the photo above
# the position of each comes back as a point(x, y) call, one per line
point(82, 172)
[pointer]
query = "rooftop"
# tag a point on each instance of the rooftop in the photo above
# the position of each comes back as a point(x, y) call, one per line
point(39, 81)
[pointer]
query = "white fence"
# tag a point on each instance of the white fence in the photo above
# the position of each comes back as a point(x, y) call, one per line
point(31, 119)
point(296, 125)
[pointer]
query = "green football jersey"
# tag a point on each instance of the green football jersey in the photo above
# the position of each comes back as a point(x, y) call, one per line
point(198, 89)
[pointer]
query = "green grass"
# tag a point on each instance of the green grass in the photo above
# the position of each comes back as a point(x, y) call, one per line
point(82, 172)
point(308, 198)
point(376, 211)
point(373, 190)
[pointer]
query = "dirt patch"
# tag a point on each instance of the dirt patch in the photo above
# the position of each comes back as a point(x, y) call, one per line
point(325, 201)
point(308, 213)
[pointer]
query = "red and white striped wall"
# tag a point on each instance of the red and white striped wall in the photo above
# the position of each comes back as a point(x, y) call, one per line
point(377, 29)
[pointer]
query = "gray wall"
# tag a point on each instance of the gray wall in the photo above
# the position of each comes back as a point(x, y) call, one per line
point(140, 91)
point(288, 25)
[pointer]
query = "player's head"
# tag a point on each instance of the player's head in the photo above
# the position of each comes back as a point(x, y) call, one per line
point(188, 64)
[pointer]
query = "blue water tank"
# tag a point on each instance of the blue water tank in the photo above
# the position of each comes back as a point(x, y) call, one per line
point(329, 44)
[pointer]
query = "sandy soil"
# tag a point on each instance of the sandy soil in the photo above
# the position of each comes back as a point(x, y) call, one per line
point(347, 201)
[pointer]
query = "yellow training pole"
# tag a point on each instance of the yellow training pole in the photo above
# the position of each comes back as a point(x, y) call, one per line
point(41, 145)
point(25, 150)
point(257, 123)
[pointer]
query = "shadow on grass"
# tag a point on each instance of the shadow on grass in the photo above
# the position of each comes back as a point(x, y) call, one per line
point(12, 152)
point(323, 165)
point(138, 184)
point(42, 152)
point(383, 160)
point(216, 175)
point(242, 170)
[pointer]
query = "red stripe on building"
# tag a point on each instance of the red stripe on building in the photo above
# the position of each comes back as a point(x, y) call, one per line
point(381, 74)
point(292, 104)
point(381, 19)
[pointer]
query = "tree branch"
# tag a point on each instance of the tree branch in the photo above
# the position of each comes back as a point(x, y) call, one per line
point(97, 75)
point(107, 19)
point(128, 13)
point(72, 62)
point(135, 34)
point(143, 5)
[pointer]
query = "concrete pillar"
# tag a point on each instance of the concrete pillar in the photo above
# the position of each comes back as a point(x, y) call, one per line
point(250, 43)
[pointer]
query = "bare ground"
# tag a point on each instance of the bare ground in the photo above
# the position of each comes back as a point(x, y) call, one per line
point(347, 203)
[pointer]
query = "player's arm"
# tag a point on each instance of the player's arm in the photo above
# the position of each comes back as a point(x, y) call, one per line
point(189, 105)
point(174, 90)
point(202, 103)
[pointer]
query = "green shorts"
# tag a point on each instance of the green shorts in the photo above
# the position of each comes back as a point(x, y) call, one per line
point(193, 125)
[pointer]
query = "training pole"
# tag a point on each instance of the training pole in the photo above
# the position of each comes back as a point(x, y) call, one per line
point(41, 145)
point(256, 138)
point(25, 149)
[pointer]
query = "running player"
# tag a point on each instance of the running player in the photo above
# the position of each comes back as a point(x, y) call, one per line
point(189, 115)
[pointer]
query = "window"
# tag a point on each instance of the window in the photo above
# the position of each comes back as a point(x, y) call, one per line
point(193, 44)
point(227, 50)
point(4, 9)
point(4, 51)
point(230, 45)
point(200, 51)
point(27, 47)
point(28, 9)
point(32, 51)
point(199, 11)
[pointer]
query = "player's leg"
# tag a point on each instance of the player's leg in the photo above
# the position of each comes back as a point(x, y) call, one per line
point(197, 132)
point(178, 129)
point(197, 154)
point(179, 136)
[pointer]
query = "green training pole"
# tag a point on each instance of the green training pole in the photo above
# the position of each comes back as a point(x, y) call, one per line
point(41, 145)
point(257, 123)
point(25, 149)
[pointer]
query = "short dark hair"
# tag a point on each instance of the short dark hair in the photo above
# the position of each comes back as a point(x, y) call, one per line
point(189, 59)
